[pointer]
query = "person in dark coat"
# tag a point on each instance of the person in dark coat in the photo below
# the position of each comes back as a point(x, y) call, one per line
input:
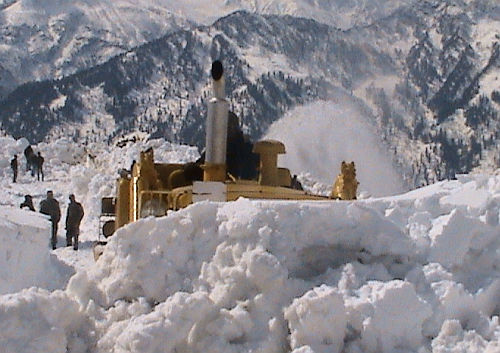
point(50, 207)
point(13, 165)
point(296, 184)
point(31, 160)
point(28, 202)
point(241, 162)
point(73, 219)
point(28, 152)
point(39, 166)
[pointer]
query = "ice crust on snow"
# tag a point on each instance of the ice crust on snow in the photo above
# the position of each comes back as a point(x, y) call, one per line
point(417, 272)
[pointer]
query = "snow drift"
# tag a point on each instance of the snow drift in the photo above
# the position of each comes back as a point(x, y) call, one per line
point(417, 272)
point(25, 260)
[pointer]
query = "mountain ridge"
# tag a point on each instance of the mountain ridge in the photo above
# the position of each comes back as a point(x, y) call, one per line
point(277, 62)
point(51, 39)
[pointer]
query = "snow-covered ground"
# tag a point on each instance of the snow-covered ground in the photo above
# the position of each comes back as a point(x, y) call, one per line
point(88, 172)
point(417, 272)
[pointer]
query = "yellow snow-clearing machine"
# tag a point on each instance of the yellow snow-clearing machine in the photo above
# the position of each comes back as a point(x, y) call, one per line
point(151, 189)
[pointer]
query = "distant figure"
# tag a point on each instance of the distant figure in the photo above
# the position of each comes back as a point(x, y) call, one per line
point(39, 166)
point(50, 206)
point(28, 202)
point(296, 184)
point(13, 165)
point(31, 159)
point(73, 219)
point(28, 151)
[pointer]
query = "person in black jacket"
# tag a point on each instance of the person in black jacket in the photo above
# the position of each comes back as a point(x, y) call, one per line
point(73, 219)
point(28, 202)
point(13, 165)
point(39, 166)
point(50, 207)
point(31, 160)
point(28, 152)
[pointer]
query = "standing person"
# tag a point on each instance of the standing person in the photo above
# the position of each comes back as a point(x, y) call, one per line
point(31, 160)
point(73, 218)
point(28, 202)
point(28, 152)
point(50, 206)
point(39, 166)
point(13, 165)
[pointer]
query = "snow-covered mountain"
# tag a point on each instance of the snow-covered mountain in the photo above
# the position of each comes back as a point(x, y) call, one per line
point(342, 14)
point(426, 76)
point(49, 39)
point(443, 106)
point(272, 63)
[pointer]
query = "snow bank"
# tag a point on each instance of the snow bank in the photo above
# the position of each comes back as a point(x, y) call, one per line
point(454, 339)
point(25, 260)
point(268, 276)
point(10, 147)
point(36, 320)
point(317, 320)
point(418, 272)
point(61, 151)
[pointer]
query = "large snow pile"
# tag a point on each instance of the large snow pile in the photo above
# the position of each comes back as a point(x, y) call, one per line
point(88, 172)
point(54, 321)
point(25, 260)
point(419, 272)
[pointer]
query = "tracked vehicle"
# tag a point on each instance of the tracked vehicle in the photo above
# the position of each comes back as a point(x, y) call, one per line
point(151, 189)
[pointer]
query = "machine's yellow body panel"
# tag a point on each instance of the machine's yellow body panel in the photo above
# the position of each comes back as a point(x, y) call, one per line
point(151, 189)
point(147, 191)
point(182, 197)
